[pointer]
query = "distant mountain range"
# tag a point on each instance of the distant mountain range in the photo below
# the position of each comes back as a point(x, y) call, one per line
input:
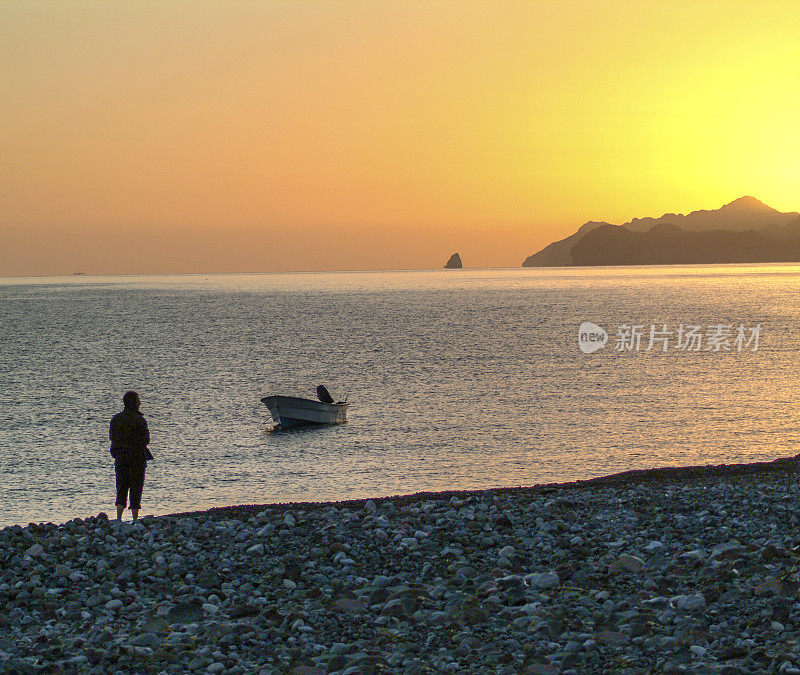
point(745, 230)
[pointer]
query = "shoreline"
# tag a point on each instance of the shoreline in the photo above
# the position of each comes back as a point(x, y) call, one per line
point(633, 477)
point(670, 570)
point(779, 466)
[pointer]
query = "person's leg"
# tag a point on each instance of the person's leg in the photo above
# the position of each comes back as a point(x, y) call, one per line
point(122, 487)
point(137, 484)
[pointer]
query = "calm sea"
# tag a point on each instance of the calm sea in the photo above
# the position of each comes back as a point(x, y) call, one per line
point(456, 379)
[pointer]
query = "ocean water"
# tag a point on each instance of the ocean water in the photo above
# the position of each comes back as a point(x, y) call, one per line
point(457, 379)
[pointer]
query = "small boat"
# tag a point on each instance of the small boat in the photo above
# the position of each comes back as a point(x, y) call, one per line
point(290, 411)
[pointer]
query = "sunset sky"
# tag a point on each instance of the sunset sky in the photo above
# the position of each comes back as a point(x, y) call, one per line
point(196, 136)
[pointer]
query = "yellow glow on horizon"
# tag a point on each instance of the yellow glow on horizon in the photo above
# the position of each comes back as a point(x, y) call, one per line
point(489, 128)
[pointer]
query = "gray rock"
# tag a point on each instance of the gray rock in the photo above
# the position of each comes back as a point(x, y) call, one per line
point(506, 552)
point(394, 609)
point(654, 547)
point(145, 640)
point(689, 603)
point(727, 550)
point(35, 551)
point(631, 563)
point(543, 580)
point(187, 612)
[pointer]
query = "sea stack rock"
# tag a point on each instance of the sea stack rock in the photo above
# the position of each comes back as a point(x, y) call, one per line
point(454, 263)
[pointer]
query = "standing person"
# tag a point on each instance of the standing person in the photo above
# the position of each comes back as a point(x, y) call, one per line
point(129, 439)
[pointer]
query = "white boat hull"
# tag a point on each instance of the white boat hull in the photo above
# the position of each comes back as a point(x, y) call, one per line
point(290, 411)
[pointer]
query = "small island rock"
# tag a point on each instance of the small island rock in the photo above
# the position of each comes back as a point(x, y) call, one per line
point(454, 263)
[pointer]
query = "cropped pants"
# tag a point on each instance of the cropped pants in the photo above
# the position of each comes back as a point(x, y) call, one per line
point(130, 477)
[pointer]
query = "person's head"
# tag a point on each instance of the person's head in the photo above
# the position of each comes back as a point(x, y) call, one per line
point(131, 400)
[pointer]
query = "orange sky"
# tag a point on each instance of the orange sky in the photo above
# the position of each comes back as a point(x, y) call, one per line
point(245, 136)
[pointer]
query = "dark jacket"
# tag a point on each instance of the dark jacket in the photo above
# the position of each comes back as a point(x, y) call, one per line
point(129, 436)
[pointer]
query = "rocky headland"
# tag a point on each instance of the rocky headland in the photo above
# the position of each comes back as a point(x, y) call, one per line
point(743, 231)
point(668, 570)
point(671, 245)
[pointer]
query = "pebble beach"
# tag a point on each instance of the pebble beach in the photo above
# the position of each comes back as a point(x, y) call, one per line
point(666, 570)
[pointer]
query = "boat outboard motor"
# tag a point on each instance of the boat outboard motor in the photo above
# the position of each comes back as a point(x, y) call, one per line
point(323, 395)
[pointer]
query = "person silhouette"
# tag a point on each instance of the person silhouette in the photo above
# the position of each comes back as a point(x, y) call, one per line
point(324, 395)
point(129, 440)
